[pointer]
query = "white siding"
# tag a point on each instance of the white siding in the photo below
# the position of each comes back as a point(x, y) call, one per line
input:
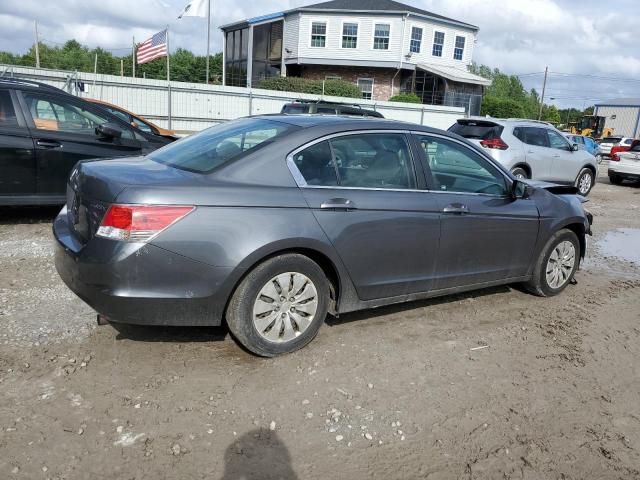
point(626, 121)
point(291, 35)
point(398, 43)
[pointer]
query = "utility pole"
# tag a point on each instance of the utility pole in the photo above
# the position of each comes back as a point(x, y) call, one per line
point(544, 87)
point(122, 67)
point(95, 69)
point(133, 57)
point(208, 39)
point(37, 47)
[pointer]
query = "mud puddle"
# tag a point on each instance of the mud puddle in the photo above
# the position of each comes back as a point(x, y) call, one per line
point(622, 243)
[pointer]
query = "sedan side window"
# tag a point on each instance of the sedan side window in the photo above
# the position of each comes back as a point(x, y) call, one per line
point(557, 141)
point(376, 160)
point(456, 168)
point(316, 165)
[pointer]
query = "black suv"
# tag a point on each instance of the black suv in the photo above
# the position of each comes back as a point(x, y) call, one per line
point(321, 107)
point(44, 131)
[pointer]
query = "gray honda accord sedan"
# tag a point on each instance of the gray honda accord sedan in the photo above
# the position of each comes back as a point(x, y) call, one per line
point(270, 223)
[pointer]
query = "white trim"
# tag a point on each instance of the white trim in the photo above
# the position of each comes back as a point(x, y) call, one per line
point(326, 31)
point(352, 22)
point(373, 39)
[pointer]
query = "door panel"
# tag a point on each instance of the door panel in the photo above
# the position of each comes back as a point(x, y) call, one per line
point(362, 189)
point(17, 157)
point(537, 152)
point(566, 162)
point(486, 235)
point(63, 131)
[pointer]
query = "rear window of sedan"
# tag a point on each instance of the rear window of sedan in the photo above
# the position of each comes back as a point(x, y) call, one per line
point(211, 148)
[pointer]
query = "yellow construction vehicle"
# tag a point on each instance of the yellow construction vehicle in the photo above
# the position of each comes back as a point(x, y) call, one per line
point(590, 126)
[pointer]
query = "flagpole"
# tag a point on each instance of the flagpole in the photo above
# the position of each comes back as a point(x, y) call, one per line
point(208, 38)
point(168, 81)
point(133, 56)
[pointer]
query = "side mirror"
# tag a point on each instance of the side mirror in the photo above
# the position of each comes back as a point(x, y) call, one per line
point(109, 130)
point(520, 190)
point(575, 147)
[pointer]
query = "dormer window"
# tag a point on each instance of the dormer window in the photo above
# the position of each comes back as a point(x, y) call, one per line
point(458, 51)
point(318, 34)
point(438, 44)
point(350, 35)
point(381, 36)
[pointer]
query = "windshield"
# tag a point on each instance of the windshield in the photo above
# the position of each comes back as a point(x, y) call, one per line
point(214, 146)
point(476, 129)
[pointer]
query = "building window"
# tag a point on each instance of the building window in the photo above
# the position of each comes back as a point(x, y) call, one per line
point(458, 51)
point(318, 34)
point(366, 87)
point(416, 40)
point(438, 44)
point(381, 36)
point(350, 35)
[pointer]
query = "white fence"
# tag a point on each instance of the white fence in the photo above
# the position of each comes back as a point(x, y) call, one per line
point(195, 106)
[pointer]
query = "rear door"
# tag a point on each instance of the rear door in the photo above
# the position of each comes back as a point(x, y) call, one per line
point(367, 197)
point(17, 157)
point(538, 153)
point(63, 129)
point(486, 235)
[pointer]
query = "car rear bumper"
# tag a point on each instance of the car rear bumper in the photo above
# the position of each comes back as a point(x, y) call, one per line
point(140, 283)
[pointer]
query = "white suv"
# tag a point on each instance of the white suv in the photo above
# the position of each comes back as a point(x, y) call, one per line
point(531, 149)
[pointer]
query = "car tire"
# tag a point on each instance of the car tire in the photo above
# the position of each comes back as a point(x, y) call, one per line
point(584, 181)
point(556, 265)
point(269, 326)
point(615, 179)
point(520, 173)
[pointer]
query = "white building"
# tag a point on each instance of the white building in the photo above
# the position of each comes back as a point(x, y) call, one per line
point(623, 115)
point(383, 46)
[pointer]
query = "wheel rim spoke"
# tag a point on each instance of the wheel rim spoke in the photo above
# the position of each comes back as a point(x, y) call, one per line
point(285, 307)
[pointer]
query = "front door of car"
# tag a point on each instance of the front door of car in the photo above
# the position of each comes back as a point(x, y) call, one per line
point(566, 162)
point(537, 152)
point(486, 234)
point(64, 133)
point(17, 157)
point(365, 194)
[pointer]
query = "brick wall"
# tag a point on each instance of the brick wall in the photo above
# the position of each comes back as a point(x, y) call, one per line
point(382, 77)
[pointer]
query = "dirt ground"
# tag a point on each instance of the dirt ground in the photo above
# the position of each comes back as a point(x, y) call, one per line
point(492, 384)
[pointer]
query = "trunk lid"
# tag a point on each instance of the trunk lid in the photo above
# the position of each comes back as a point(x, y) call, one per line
point(95, 184)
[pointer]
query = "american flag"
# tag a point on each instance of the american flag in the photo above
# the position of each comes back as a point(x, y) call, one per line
point(153, 48)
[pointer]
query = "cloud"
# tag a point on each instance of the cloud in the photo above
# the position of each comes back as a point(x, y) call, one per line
point(570, 36)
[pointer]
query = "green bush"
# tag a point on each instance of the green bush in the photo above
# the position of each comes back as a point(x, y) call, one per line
point(502, 108)
point(406, 98)
point(336, 88)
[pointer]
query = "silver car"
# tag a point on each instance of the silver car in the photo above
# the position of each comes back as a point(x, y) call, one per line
point(607, 143)
point(531, 149)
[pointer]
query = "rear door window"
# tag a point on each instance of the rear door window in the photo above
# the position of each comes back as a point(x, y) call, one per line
point(7, 112)
point(535, 136)
point(317, 165)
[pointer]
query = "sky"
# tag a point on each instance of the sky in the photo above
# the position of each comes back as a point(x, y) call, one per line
point(591, 47)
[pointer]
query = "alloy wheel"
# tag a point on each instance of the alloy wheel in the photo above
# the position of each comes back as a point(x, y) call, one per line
point(584, 184)
point(285, 307)
point(560, 264)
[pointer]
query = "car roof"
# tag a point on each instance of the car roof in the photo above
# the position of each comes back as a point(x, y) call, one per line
point(23, 84)
point(508, 121)
point(348, 122)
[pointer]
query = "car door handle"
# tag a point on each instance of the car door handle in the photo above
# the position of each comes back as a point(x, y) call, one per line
point(48, 144)
point(456, 208)
point(338, 204)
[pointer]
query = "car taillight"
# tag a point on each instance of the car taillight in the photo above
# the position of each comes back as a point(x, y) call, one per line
point(139, 223)
point(496, 143)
